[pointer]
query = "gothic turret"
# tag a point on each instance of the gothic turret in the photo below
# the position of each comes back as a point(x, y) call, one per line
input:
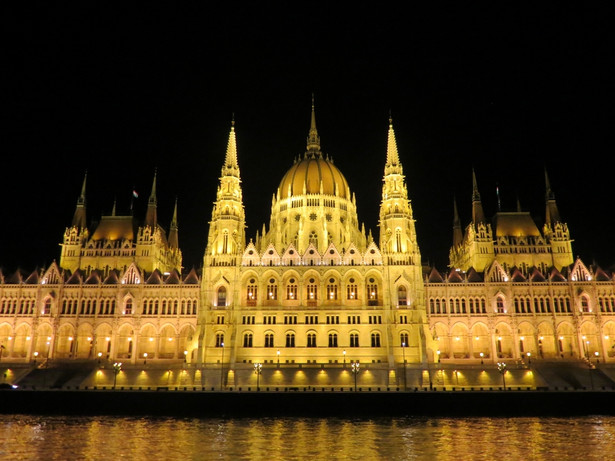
point(226, 238)
point(555, 231)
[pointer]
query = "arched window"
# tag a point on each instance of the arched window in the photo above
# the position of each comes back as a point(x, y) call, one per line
point(403, 339)
point(311, 340)
point(585, 304)
point(375, 339)
point(354, 340)
point(251, 292)
point(331, 289)
point(402, 296)
point(290, 340)
point(291, 289)
point(272, 290)
point(247, 340)
point(219, 339)
point(351, 289)
point(332, 339)
point(499, 305)
point(221, 297)
point(268, 339)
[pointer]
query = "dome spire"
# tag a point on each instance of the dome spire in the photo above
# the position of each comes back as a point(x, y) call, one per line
point(313, 140)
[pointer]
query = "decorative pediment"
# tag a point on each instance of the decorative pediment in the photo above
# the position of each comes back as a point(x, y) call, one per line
point(372, 255)
point(250, 256)
point(291, 256)
point(311, 257)
point(579, 272)
point(52, 275)
point(132, 276)
point(352, 256)
point(496, 273)
point(332, 257)
point(270, 256)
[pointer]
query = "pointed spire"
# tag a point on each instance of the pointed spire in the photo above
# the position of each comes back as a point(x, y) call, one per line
point(552, 212)
point(230, 162)
point(518, 205)
point(113, 209)
point(478, 216)
point(79, 218)
point(392, 154)
point(151, 217)
point(457, 233)
point(313, 140)
point(173, 232)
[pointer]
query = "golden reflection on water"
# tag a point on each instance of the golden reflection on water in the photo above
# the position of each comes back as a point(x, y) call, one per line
point(95, 438)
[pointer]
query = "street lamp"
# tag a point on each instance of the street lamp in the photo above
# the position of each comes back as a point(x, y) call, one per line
point(144, 358)
point(438, 354)
point(258, 369)
point(597, 354)
point(117, 367)
point(99, 356)
point(502, 370)
point(222, 367)
point(482, 355)
point(403, 351)
point(355, 371)
point(278, 353)
point(344, 352)
point(185, 356)
point(529, 358)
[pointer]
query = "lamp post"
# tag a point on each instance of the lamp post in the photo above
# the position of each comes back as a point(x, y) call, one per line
point(344, 353)
point(144, 358)
point(355, 371)
point(403, 351)
point(258, 369)
point(117, 367)
point(597, 355)
point(502, 370)
point(278, 353)
point(222, 368)
point(529, 359)
point(185, 356)
point(482, 355)
point(99, 357)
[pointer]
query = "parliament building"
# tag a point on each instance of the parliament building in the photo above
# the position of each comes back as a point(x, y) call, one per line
point(312, 296)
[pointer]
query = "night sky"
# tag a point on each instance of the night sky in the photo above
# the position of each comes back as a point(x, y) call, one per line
point(504, 90)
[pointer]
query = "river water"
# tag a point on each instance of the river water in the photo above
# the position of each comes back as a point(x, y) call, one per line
point(108, 438)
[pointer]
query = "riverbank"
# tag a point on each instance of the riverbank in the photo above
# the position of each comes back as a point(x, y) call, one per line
point(307, 402)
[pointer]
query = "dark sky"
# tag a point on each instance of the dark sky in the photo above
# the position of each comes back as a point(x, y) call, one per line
point(506, 90)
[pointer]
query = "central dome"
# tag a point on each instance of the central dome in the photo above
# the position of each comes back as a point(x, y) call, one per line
point(313, 175)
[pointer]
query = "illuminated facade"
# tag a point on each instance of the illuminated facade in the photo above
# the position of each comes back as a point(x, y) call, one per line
point(312, 289)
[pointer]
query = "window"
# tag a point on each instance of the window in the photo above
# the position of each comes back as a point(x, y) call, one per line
point(332, 290)
point(247, 320)
point(403, 319)
point(375, 319)
point(403, 339)
point(402, 296)
point(128, 307)
point(375, 339)
point(221, 297)
point(220, 319)
point(247, 340)
point(268, 339)
point(311, 319)
point(354, 319)
point(269, 320)
point(332, 339)
point(272, 290)
point(500, 305)
point(290, 320)
point(220, 340)
point(354, 340)
point(291, 289)
point(311, 340)
point(333, 319)
point(252, 292)
point(312, 292)
point(290, 340)
point(351, 290)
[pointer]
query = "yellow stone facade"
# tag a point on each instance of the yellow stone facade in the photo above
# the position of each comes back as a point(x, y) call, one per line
point(312, 291)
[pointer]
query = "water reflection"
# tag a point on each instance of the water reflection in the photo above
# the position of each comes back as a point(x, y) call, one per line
point(91, 438)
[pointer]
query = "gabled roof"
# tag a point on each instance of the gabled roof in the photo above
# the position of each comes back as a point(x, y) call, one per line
point(112, 278)
point(155, 278)
point(94, 278)
point(192, 278)
point(33, 278)
point(556, 276)
point(517, 276)
point(435, 276)
point(473, 276)
point(537, 276)
point(173, 278)
point(454, 276)
point(601, 275)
